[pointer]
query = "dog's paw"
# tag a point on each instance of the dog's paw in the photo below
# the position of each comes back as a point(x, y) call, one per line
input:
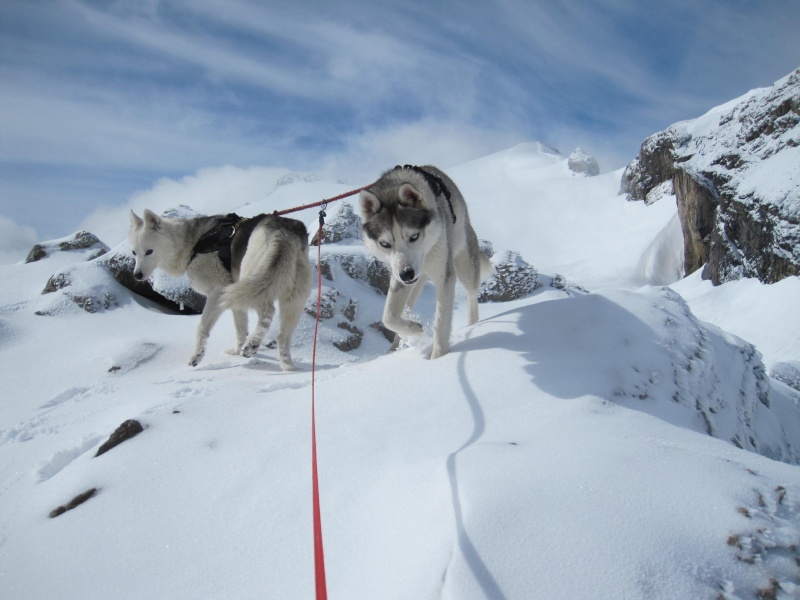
point(410, 328)
point(289, 368)
point(195, 359)
point(233, 351)
point(249, 350)
point(438, 352)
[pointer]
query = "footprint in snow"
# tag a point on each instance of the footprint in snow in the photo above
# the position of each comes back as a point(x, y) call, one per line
point(132, 356)
point(63, 458)
point(66, 395)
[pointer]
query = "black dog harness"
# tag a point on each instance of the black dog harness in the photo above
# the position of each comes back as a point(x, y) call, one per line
point(435, 183)
point(218, 239)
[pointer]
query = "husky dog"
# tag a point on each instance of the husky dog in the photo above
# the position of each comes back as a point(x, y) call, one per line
point(235, 263)
point(416, 220)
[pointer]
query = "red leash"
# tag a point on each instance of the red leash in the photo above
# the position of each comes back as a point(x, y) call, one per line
point(319, 553)
point(321, 202)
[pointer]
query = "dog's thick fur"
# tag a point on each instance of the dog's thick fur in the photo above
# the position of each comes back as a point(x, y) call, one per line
point(410, 224)
point(269, 263)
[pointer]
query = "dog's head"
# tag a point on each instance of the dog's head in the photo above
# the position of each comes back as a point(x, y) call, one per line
point(146, 239)
point(400, 227)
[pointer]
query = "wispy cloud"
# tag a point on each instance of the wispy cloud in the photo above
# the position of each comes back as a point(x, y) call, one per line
point(146, 88)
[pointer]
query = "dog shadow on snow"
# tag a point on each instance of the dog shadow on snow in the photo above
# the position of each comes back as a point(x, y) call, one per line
point(473, 559)
point(573, 347)
point(566, 345)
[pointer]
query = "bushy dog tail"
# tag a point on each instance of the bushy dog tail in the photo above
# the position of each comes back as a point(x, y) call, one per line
point(275, 267)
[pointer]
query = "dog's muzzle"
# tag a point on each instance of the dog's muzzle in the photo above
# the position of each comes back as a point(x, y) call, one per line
point(138, 276)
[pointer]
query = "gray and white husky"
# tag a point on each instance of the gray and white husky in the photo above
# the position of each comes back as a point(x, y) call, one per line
point(235, 263)
point(416, 220)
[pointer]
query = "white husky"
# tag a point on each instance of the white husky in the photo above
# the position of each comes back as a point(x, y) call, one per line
point(235, 263)
point(415, 219)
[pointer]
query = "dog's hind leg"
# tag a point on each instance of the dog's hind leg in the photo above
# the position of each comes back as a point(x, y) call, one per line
point(443, 321)
point(290, 314)
point(240, 324)
point(208, 319)
point(468, 272)
point(253, 343)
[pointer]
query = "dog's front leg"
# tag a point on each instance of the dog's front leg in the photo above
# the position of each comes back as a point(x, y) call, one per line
point(443, 321)
point(210, 315)
point(396, 301)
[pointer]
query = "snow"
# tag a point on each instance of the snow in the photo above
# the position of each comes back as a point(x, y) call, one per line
point(561, 449)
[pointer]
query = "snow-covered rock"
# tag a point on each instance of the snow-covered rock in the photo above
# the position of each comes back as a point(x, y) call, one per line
point(736, 176)
point(81, 240)
point(582, 163)
point(513, 278)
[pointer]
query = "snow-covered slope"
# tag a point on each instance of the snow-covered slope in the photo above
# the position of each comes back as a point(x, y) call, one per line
point(561, 449)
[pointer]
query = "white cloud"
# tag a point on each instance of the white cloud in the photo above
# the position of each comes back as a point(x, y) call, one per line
point(428, 141)
point(16, 241)
point(355, 88)
point(208, 191)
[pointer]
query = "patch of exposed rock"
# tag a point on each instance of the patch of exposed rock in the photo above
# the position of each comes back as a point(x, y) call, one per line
point(172, 293)
point(736, 177)
point(81, 240)
point(514, 278)
point(345, 224)
point(581, 163)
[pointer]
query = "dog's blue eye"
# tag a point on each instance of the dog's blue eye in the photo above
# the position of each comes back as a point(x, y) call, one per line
point(414, 238)
point(386, 245)
point(148, 253)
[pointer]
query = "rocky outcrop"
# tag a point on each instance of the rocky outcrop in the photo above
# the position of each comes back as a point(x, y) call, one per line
point(128, 429)
point(345, 224)
point(697, 209)
point(512, 279)
point(736, 177)
point(171, 293)
point(581, 163)
point(82, 240)
point(654, 165)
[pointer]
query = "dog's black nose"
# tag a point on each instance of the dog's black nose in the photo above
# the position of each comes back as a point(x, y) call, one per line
point(407, 275)
point(138, 275)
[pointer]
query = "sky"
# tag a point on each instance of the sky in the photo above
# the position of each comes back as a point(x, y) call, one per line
point(100, 101)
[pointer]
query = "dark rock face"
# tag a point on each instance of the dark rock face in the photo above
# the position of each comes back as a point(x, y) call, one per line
point(736, 175)
point(654, 165)
point(697, 209)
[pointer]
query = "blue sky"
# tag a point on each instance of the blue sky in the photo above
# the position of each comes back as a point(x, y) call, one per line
point(101, 99)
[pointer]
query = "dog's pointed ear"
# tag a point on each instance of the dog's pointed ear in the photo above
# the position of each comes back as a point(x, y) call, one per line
point(370, 204)
point(136, 220)
point(152, 220)
point(410, 197)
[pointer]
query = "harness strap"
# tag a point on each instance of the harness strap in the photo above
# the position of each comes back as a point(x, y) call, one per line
point(435, 183)
point(218, 239)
